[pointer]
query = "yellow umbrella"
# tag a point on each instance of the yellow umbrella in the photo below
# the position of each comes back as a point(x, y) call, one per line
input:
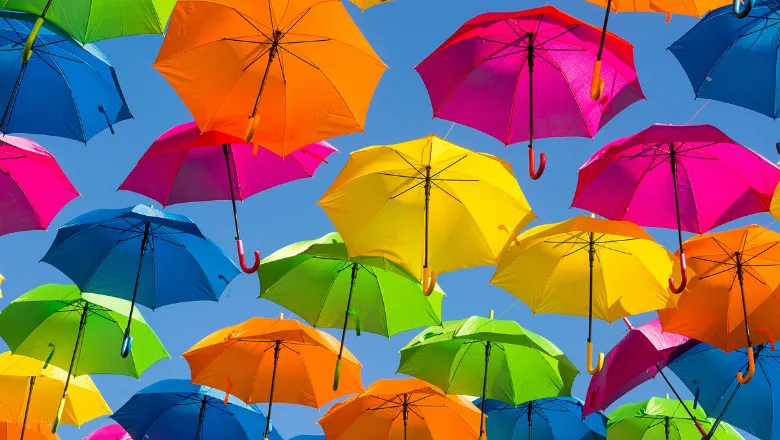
point(427, 205)
point(584, 266)
point(365, 4)
point(774, 205)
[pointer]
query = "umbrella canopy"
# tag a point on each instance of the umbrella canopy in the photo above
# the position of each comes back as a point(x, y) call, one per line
point(428, 205)
point(394, 409)
point(33, 186)
point(10, 431)
point(175, 409)
point(109, 432)
point(365, 4)
point(579, 267)
point(488, 74)
point(281, 74)
point(81, 97)
point(558, 418)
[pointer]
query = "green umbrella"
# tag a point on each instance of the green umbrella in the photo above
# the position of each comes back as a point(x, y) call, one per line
point(318, 281)
point(663, 419)
point(498, 359)
point(72, 329)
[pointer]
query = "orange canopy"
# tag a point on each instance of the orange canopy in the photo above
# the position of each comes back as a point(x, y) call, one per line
point(240, 360)
point(389, 406)
point(694, 8)
point(10, 431)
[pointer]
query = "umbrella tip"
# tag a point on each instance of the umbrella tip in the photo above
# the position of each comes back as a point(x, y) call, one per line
point(281, 315)
point(667, 396)
point(491, 314)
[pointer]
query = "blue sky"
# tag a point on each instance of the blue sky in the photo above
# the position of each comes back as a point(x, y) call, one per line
point(403, 33)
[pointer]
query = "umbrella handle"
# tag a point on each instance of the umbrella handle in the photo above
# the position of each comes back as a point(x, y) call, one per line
point(242, 261)
point(1, 282)
point(596, 84)
point(769, 336)
point(751, 368)
point(745, 11)
point(503, 228)
point(48, 359)
point(532, 171)
point(696, 394)
point(600, 364)
point(684, 281)
point(428, 283)
point(250, 130)
point(60, 410)
point(229, 389)
point(27, 53)
point(127, 344)
point(337, 375)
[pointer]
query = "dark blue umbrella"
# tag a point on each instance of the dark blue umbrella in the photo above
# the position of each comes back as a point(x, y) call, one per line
point(175, 409)
point(141, 254)
point(735, 61)
point(58, 87)
point(558, 418)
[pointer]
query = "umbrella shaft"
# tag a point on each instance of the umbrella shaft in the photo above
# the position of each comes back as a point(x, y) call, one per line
point(277, 348)
point(232, 194)
point(12, 100)
point(271, 54)
point(673, 164)
point(201, 416)
point(741, 279)
point(677, 395)
point(530, 418)
point(144, 243)
point(76, 346)
point(46, 9)
point(484, 387)
point(349, 304)
point(427, 210)
point(591, 258)
point(604, 31)
point(531, 56)
point(406, 415)
point(666, 427)
point(27, 407)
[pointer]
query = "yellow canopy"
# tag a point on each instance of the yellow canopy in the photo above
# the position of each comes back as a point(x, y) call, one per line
point(365, 4)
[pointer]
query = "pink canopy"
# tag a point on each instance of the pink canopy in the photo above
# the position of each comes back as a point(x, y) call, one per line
point(109, 432)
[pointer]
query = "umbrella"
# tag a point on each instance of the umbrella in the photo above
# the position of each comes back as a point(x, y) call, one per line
point(109, 432)
point(365, 4)
point(580, 266)
point(184, 165)
point(710, 180)
point(457, 358)
point(237, 360)
point(657, 419)
point(33, 186)
point(76, 100)
point(557, 418)
point(141, 254)
point(318, 281)
point(10, 431)
point(175, 409)
point(281, 74)
point(733, 290)
point(489, 73)
point(392, 409)
point(720, 46)
point(71, 329)
point(29, 386)
point(426, 203)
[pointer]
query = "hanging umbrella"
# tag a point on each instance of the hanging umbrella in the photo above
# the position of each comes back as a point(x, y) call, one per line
point(662, 419)
point(220, 57)
point(238, 361)
point(109, 432)
point(709, 180)
point(33, 186)
point(175, 409)
point(72, 329)
point(141, 254)
point(77, 100)
point(184, 165)
point(557, 418)
point(483, 77)
point(10, 431)
point(394, 409)
point(580, 266)
point(458, 358)
point(458, 205)
point(365, 4)
point(318, 281)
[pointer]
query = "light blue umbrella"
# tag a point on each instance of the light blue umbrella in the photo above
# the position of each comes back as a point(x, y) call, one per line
point(175, 409)
point(63, 88)
point(141, 254)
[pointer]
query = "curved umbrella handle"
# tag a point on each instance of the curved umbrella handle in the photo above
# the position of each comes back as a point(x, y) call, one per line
point(127, 343)
point(228, 390)
point(596, 84)
point(745, 11)
point(751, 368)
point(28, 45)
point(242, 261)
point(1, 282)
point(250, 130)
point(532, 171)
point(696, 394)
point(684, 281)
point(48, 358)
point(600, 365)
point(668, 19)
point(768, 334)
point(503, 228)
point(428, 283)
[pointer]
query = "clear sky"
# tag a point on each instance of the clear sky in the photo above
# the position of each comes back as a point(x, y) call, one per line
point(403, 33)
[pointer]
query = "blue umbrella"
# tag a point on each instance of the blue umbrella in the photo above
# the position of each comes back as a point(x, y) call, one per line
point(710, 375)
point(58, 87)
point(558, 418)
point(308, 437)
point(141, 254)
point(735, 61)
point(175, 409)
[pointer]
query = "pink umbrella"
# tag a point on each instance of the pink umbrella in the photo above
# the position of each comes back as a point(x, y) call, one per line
point(478, 77)
point(109, 432)
point(33, 187)
point(692, 177)
point(184, 165)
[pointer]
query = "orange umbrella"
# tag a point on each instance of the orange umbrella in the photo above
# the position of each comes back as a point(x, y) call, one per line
point(282, 74)
point(11, 431)
point(734, 288)
point(273, 360)
point(393, 409)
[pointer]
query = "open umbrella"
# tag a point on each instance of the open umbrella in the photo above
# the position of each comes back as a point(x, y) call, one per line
point(281, 74)
point(10, 431)
point(76, 100)
point(489, 73)
point(72, 329)
point(33, 187)
point(689, 177)
point(145, 255)
point(365, 4)
point(318, 281)
point(109, 432)
point(428, 205)
point(184, 165)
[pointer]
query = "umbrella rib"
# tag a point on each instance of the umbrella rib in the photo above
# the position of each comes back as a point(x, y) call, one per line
point(449, 166)
point(446, 192)
point(566, 31)
point(257, 58)
point(312, 65)
point(408, 189)
point(403, 157)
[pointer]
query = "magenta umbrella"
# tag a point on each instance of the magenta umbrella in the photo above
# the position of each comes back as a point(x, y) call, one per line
point(184, 165)
point(109, 432)
point(689, 177)
point(33, 187)
point(489, 72)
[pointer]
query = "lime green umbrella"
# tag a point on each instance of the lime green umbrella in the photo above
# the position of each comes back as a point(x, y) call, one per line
point(663, 419)
point(318, 281)
point(498, 359)
point(74, 331)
